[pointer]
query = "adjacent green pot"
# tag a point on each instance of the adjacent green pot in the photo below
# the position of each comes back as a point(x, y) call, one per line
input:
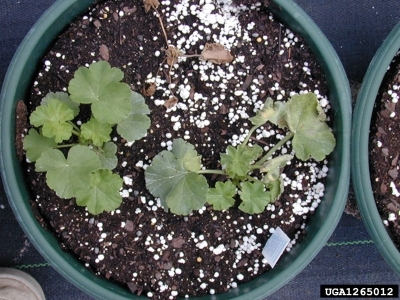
point(360, 151)
point(320, 227)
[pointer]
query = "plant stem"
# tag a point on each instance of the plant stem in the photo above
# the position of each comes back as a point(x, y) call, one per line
point(272, 151)
point(219, 172)
point(66, 146)
point(246, 140)
point(75, 127)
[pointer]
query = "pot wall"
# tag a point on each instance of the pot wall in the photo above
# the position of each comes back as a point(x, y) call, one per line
point(360, 151)
point(319, 229)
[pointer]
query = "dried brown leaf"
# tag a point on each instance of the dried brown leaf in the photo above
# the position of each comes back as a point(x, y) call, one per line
point(149, 89)
point(216, 53)
point(171, 102)
point(148, 4)
point(172, 54)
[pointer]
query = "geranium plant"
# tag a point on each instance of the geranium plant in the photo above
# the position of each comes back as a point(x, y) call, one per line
point(84, 169)
point(177, 176)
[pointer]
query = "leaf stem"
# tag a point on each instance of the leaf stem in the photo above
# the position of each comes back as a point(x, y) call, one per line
point(272, 150)
point(66, 146)
point(77, 130)
point(251, 131)
point(210, 171)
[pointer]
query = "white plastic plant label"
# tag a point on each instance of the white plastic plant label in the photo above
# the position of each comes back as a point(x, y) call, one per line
point(275, 246)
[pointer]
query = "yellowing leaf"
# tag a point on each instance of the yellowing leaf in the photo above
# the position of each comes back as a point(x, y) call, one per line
point(312, 137)
point(216, 53)
point(54, 118)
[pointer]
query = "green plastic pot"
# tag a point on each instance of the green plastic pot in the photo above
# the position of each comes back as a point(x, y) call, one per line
point(320, 227)
point(360, 136)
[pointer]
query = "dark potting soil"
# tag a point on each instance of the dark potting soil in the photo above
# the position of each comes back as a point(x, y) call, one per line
point(139, 245)
point(385, 151)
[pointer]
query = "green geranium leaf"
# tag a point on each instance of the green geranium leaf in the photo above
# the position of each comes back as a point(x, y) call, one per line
point(272, 167)
point(273, 112)
point(100, 86)
point(68, 176)
point(221, 197)
point(63, 97)
point(53, 117)
point(254, 197)
point(186, 153)
point(102, 194)
point(179, 189)
point(135, 126)
point(35, 144)
point(237, 161)
point(312, 137)
point(107, 156)
point(98, 132)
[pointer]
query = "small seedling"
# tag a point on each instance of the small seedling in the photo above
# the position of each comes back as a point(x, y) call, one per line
point(177, 176)
point(86, 172)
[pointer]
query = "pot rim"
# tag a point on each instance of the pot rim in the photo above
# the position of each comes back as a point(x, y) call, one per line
point(321, 225)
point(359, 152)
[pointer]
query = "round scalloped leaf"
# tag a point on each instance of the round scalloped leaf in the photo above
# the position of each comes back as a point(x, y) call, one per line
point(178, 189)
point(221, 196)
point(107, 156)
point(67, 176)
point(35, 144)
point(254, 197)
point(100, 86)
point(63, 97)
point(102, 194)
point(54, 118)
point(312, 137)
point(135, 126)
point(98, 132)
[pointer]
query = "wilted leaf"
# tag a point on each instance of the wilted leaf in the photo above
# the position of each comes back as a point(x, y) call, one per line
point(148, 4)
point(216, 53)
point(312, 137)
point(172, 54)
point(273, 112)
point(171, 102)
point(149, 89)
point(272, 167)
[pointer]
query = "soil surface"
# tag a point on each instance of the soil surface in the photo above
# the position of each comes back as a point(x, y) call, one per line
point(385, 151)
point(139, 245)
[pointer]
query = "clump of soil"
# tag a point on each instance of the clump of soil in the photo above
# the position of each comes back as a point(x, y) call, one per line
point(151, 251)
point(385, 151)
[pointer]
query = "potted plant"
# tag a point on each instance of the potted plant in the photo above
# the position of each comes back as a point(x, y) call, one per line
point(371, 140)
point(320, 226)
